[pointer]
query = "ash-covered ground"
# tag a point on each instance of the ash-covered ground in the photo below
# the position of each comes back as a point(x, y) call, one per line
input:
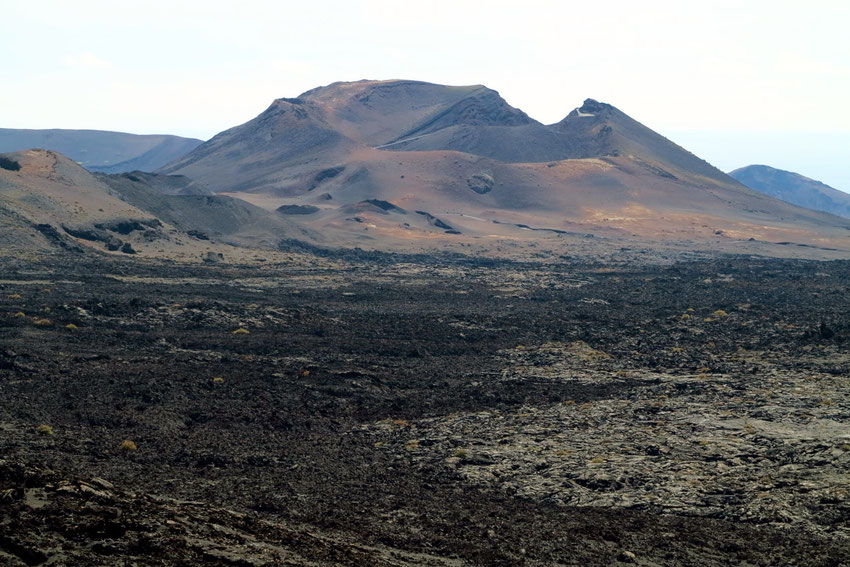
point(411, 412)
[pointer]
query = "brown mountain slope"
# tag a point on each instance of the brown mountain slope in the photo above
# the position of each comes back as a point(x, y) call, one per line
point(48, 203)
point(48, 192)
point(602, 129)
point(377, 113)
point(462, 157)
point(285, 140)
point(617, 197)
point(200, 214)
point(298, 143)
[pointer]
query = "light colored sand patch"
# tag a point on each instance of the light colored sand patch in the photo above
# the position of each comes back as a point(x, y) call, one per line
point(400, 141)
point(466, 216)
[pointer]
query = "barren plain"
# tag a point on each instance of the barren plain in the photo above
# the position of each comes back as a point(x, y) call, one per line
point(390, 410)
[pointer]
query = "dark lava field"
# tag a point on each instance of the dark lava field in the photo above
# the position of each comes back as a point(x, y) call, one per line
point(394, 411)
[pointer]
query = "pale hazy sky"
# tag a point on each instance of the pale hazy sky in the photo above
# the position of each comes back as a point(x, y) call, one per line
point(736, 82)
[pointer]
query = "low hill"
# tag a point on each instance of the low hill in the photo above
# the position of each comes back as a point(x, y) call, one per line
point(50, 203)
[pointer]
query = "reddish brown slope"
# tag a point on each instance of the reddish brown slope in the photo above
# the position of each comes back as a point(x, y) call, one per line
point(48, 202)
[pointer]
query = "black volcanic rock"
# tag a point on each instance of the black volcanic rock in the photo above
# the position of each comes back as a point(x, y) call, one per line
point(481, 183)
point(377, 206)
point(794, 188)
point(297, 209)
point(326, 174)
point(9, 164)
point(167, 184)
point(435, 221)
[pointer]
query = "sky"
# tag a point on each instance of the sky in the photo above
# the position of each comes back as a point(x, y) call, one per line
point(736, 82)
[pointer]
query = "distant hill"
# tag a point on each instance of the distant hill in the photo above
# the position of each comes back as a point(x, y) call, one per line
point(97, 150)
point(794, 188)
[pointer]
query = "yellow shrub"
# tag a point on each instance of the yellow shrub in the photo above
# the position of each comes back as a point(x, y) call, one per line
point(44, 429)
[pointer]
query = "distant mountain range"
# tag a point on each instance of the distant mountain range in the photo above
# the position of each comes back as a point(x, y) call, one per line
point(97, 150)
point(794, 188)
